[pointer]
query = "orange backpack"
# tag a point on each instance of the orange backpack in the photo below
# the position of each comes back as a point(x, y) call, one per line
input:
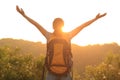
point(59, 56)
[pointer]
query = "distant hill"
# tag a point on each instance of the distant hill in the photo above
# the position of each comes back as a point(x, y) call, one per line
point(82, 56)
point(24, 46)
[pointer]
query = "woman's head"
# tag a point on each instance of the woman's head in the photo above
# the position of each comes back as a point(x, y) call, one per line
point(58, 23)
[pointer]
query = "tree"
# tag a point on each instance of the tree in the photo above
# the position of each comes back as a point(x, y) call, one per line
point(109, 69)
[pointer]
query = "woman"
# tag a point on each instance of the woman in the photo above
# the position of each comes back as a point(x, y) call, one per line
point(58, 24)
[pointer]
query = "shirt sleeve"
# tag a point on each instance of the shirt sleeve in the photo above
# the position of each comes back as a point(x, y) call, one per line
point(47, 35)
point(70, 35)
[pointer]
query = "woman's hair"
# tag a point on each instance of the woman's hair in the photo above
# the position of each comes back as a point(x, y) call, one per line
point(58, 22)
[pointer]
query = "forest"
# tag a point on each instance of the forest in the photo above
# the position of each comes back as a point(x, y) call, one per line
point(23, 60)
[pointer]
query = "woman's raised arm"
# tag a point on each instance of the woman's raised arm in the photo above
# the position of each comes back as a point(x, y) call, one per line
point(37, 25)
point(79, 28)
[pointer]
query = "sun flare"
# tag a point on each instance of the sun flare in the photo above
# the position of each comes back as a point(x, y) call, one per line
point(66, 29)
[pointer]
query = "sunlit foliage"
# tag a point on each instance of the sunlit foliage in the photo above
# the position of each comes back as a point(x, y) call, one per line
point(14, 66)
point(109, 69)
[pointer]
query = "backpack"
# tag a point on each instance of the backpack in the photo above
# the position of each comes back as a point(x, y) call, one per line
point(59, 57)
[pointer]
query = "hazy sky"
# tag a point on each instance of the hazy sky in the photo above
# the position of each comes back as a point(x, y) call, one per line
point(73, 12)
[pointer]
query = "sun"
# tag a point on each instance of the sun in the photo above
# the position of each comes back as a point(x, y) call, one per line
point(65, 29)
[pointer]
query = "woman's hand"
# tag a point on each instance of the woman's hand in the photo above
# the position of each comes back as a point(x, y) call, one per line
point(99, 16)
point(20, 10)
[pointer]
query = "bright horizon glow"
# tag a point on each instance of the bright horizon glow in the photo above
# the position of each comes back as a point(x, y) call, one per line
point(73, 12)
